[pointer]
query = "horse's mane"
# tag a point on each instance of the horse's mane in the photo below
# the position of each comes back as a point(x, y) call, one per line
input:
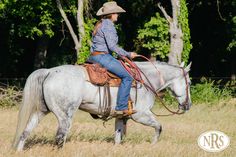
point(156, 63)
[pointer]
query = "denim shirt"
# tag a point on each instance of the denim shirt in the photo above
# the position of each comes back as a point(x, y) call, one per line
point(106, 39)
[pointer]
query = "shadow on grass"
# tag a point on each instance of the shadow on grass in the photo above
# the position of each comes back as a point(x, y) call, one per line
point(36, 140)
point(45, 140)
point(136, 138)
point(87, 137)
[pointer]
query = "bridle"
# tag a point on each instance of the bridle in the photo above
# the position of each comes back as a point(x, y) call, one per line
point(156, 92)
point(185, 103)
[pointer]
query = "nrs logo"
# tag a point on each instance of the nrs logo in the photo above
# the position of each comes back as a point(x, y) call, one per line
point(213, 141)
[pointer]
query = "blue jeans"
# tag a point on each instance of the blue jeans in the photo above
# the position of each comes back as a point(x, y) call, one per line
point(114, 66)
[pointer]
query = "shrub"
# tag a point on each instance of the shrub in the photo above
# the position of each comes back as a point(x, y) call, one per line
point(209, 91)
point(154, 36)
point(10, 96)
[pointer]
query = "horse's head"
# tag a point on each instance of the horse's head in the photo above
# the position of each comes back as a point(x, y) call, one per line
point(180, 87)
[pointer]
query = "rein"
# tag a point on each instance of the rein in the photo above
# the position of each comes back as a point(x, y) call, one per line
point(151, 88)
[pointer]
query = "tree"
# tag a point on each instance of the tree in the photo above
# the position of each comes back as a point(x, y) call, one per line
point(178, 37)
point(169, 36)
point(34, 33)
point(80, 41)
point(155, 37)
point(73, 34)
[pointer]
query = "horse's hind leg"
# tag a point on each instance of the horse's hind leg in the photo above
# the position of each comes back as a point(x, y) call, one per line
point(63, 129)
point(147, 118)
point(33, 122)
point(64, 120)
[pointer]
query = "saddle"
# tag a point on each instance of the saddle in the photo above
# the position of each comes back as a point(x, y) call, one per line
point(101, 76)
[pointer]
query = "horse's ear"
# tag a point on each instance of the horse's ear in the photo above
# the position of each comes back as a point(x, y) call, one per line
point(182, 64)
point(187, 69)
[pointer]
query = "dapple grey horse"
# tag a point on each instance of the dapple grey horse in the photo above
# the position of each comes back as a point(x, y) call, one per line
point(64, 89)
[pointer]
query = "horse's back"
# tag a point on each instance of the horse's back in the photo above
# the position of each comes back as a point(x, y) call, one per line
point(70, 70)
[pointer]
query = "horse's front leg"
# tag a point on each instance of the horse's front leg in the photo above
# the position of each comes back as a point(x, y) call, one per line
point(120, 129)
point(147, 118)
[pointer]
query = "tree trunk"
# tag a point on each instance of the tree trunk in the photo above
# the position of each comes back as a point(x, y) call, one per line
point(80, 20)
point(74, 36)
point(41, 52)
point(176, 41)
point(176, 45)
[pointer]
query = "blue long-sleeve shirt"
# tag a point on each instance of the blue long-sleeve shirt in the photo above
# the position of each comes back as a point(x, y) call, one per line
point(106, 39)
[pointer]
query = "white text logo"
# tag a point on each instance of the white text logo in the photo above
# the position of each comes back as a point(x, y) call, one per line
point(213, 141)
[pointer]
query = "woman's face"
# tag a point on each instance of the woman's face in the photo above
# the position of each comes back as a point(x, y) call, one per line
point(114, 17)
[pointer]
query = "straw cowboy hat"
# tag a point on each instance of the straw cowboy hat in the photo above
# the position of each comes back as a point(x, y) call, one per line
point(109, 8)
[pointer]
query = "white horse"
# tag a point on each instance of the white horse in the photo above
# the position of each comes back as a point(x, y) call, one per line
point(64, 89)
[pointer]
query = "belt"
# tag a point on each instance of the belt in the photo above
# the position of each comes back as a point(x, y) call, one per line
point(95, 53)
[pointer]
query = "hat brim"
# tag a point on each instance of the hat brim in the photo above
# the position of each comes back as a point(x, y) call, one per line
point(116, 10)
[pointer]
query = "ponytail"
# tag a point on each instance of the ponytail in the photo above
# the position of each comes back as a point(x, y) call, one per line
point(99, 23)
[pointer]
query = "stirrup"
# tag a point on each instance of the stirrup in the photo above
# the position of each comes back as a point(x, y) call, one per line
point(124, 113)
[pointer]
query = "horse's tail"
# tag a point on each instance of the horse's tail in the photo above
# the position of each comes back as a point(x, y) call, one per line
point(32, 100)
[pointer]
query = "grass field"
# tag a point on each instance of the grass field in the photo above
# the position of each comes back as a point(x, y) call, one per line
point(89, 138)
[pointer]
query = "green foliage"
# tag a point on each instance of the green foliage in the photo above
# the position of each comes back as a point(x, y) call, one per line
point(155, 36)
point(209, 92)
point(2, 7)
point(169, 98)
point(35, 18)
point(84, 52)
point(183, 21)
point(232, 44)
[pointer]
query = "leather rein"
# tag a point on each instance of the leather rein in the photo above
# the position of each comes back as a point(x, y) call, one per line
point(151, 88)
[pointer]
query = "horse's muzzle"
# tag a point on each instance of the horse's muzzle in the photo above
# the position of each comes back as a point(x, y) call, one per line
point(185, 107)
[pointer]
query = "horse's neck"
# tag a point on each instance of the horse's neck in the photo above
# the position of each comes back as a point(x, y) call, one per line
point(158, 72)
point(168, 71)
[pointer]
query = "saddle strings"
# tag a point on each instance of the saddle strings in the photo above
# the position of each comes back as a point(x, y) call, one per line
point(104, 108)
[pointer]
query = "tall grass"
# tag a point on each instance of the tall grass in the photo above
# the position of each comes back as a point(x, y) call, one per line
point(10, 96)
point(210, 92)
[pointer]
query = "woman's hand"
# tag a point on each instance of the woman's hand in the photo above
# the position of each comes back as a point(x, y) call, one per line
point(133, 55)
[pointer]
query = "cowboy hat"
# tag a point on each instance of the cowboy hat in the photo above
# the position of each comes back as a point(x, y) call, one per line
point(109, 8)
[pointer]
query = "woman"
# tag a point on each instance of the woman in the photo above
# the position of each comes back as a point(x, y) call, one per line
point(104, 42)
